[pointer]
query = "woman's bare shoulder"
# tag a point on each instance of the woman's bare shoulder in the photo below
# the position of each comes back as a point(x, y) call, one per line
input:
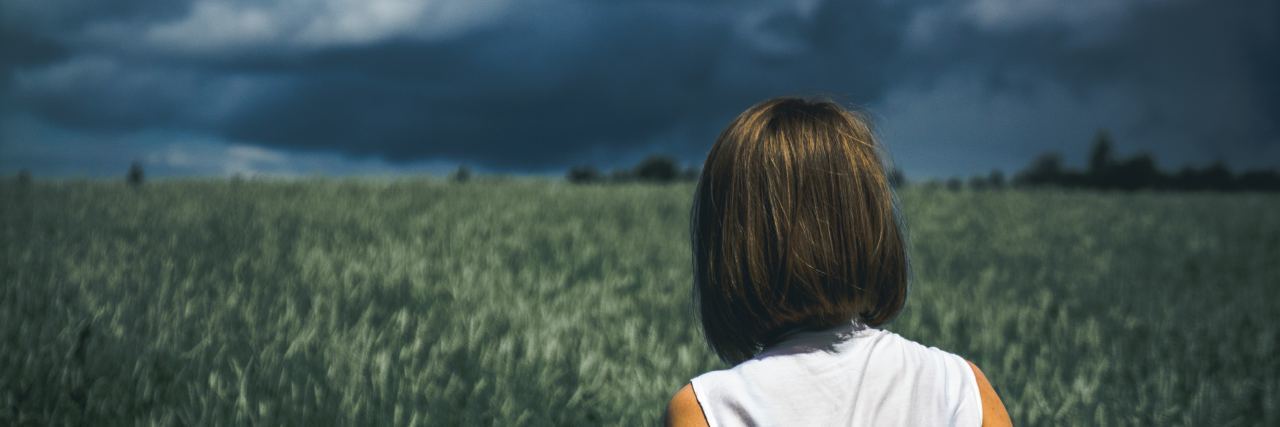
point(684, 410)
point(993, 410)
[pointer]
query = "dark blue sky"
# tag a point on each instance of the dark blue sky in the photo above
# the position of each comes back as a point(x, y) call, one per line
point(534, 86)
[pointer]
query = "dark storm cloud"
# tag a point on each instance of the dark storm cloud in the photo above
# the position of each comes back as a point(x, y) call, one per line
point(24, 49)
point(32, 33)
point(506, 98)
point(544, 84)
point(627, 78)
point(1202, 73)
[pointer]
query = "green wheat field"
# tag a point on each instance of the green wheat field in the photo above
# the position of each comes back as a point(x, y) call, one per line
point(535, 302)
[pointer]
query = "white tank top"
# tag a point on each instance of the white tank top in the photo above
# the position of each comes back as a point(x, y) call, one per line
point(846, 376)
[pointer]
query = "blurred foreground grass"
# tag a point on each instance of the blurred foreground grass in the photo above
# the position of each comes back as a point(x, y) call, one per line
point(527, 302)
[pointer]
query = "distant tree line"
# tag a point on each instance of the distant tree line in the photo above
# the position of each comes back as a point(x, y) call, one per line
point(655, 168)
point(1105, 171)
point(134, 177)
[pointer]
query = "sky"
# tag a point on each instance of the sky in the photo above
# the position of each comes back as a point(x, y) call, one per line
point(378, 87)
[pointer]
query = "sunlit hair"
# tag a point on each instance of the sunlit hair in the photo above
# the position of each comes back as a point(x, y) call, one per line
point(794, 227)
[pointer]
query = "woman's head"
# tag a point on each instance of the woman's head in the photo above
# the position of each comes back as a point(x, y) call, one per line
point(794, 227)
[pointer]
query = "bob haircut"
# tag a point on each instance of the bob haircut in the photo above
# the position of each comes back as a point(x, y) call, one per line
point(794, 227)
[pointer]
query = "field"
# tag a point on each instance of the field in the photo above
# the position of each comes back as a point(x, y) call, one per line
point(535, 302)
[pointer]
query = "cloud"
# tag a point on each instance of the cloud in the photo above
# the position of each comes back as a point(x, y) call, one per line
point(213, 26)
point(225, 159)
point(1082, 16)
point(228, 27)
point(24, 50)
point(542, 84)
point(1185, 80)
point(980, 121)
point(111, 94)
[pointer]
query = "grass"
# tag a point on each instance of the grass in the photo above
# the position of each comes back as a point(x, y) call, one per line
point(422, 302)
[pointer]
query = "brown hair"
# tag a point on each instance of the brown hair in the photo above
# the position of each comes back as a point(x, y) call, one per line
point(794, 226)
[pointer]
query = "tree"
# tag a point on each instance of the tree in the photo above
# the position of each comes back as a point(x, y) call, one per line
point(1217, 177)
point(462, 174)
point(1134, 173)
point(1044, 170)
point(1102, 164)
point(1259, 180)
point(583, 174)
point(897, 178)
point(135, 175)
point(1186, 179)
point(1101, 153)
point(995, 179)
point(657, 168)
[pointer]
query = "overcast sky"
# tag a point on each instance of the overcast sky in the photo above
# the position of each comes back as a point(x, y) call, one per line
point(205, 87)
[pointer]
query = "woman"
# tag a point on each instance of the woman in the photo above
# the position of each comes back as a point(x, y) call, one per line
point(798, 257)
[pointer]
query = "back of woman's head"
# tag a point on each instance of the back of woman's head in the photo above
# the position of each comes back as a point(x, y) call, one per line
point(794, 227)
